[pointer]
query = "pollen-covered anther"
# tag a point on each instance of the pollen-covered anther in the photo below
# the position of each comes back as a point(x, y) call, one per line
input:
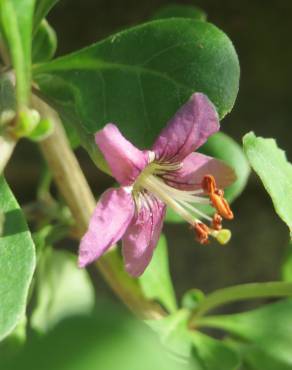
point(217, 197)
point(216, 222)
point(221, 205)
point(202, 232)
point(209, 184)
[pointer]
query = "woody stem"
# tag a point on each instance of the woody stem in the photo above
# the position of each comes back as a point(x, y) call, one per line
point(74, 188)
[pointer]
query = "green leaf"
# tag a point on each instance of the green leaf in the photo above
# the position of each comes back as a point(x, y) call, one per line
point(271, 165)
point(17, 260)
point(205, 352)
point(211, 352)
point(156, 280)
point(287, 265)
point(138, 78)
point(256, 359)
point(16, 23)
point(268, 328)
point(108, 339)
point(181, 11)
point(173, 333)
point(63, 290)
point(223, 147)
point(44, 43)
point(42, 8)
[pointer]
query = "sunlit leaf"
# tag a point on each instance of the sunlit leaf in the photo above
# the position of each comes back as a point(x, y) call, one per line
point(17, 261)
point(271, 165)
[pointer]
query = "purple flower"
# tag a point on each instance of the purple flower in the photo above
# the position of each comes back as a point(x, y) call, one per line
point(170, 174)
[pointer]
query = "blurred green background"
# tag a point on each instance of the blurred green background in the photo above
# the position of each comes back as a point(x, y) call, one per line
point(261, 33)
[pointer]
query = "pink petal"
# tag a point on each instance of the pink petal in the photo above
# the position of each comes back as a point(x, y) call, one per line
point(187, 130)
point(124, 159)
point(195, 167)
point(110, 219)
point(142, 237)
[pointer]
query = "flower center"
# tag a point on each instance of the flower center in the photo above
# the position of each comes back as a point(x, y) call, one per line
point(183, 201)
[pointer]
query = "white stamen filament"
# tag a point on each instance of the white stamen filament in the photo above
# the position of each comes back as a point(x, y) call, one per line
point(178, 200)
point(195, 210)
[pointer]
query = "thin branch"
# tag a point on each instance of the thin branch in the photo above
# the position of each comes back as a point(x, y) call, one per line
point(79, 198)
point(238, 293)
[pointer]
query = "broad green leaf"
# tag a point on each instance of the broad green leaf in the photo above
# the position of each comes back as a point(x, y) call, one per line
point(62, 290)
point(139, 77)
point(204, 352)
point(17, 260)
point(223, 147)
point(156, 280)
point(42, 8)
point(256, 359)
point(211, 353)
point(269, 328)
point(44, 43)
point(107, 339)
point(181, 11)
point(271, 165)
point(173, 333)
point(287, 265)
point(16, 24)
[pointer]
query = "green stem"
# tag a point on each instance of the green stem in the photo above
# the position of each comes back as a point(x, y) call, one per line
point(79, 198)
point(241, 292)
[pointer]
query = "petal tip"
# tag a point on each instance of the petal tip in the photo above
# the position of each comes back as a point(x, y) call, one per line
point(83, 259)
point(99, 134)
point(133, 271)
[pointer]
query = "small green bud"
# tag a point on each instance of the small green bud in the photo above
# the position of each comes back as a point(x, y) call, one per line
point(192, 298)
point(43, 129)
point(26, 123)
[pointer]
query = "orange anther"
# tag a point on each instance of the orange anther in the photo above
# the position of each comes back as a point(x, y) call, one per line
point(202, 232)
point(216, 222)
point(209, 184)
point(222, 206)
